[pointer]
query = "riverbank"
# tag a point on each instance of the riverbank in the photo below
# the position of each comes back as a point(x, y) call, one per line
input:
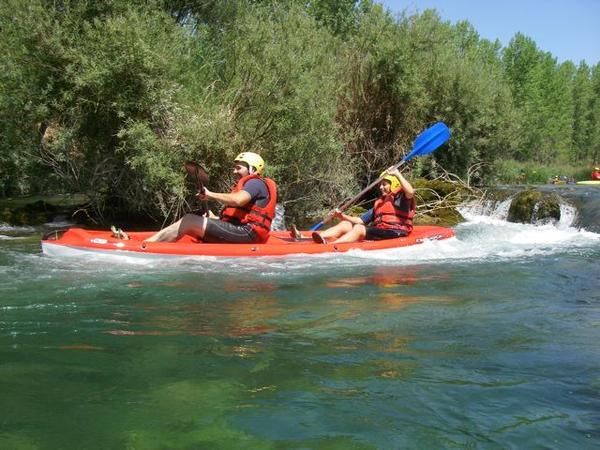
point(437, 203)
point(39, 209)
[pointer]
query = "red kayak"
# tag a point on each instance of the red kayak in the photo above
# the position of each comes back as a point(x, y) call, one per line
point(77, 241)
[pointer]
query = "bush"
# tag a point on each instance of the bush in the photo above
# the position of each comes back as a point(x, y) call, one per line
point(515, 172)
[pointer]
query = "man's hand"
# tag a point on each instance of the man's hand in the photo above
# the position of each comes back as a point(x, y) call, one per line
point(203, 194)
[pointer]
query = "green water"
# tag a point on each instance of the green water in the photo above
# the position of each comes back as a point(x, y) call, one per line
point(466, 351)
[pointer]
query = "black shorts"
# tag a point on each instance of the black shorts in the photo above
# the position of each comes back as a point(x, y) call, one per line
point(218, 231)
point(379, 234)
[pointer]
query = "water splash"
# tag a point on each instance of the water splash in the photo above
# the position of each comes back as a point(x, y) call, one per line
point(568, 216)
point(4, 227)
point(498, 210)
point(279, 219)
point(4, 237)
point(486, 208)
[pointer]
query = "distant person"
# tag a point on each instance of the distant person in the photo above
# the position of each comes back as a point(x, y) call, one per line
point(246, 218)
point(596, 173)
point(391, 215)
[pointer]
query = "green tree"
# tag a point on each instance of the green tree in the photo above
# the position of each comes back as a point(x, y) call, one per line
point(594, 150)
point(542, 93)
point(548, 111)
point(520, 57)
point(278, 90)
point(83, 76)
point(583, 119)
point(379, 83)
point(340, 16)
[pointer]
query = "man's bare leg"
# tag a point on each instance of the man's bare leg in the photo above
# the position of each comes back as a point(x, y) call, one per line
point(190, 224)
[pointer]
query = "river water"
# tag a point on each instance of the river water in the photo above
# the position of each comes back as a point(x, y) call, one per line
point(488, 340)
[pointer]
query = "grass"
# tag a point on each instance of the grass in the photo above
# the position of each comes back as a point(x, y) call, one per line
point(515, 172)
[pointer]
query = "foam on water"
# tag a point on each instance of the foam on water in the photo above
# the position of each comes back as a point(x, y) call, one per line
point(568, 215)
point(487, 237)
point(63, 223)
point(487, 208)
point(4, 237)
point(4, 227)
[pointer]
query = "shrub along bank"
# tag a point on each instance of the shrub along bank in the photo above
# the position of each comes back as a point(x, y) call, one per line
point(109, 98)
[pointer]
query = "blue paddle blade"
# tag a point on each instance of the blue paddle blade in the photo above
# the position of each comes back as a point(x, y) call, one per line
point(429, 140)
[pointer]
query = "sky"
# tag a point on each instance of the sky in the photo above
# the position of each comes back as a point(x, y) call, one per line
point(568, 29)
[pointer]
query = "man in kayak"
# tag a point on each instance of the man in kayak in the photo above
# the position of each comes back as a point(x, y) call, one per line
point(390, 217)
point(596, 173)
point(248, 213)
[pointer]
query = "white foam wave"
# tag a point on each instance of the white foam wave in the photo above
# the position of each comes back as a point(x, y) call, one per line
point(504, 239)
point(486, 208)
point(4, 227)
point(59, 224)
point(4, 237)
point(489, 238)
point(568, 215)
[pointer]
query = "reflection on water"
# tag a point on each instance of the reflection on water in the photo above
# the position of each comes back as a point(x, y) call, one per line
point(254, 308)
point(381, 276)
point(202, 316)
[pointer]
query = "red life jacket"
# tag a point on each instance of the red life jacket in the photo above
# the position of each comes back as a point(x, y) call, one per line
point(389, 216)
point(595, 175)
point(258, 217)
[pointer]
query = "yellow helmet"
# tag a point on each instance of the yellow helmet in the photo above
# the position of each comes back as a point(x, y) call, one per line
point(596, 168)
point(253, 160)
point(393, 180)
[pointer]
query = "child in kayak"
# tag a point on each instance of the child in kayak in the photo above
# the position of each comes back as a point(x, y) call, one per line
point(390, 217)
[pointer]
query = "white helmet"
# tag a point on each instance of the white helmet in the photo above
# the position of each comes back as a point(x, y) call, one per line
point(253, 160)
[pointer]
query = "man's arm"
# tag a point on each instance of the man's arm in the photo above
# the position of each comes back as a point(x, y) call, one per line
point(239, 198)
